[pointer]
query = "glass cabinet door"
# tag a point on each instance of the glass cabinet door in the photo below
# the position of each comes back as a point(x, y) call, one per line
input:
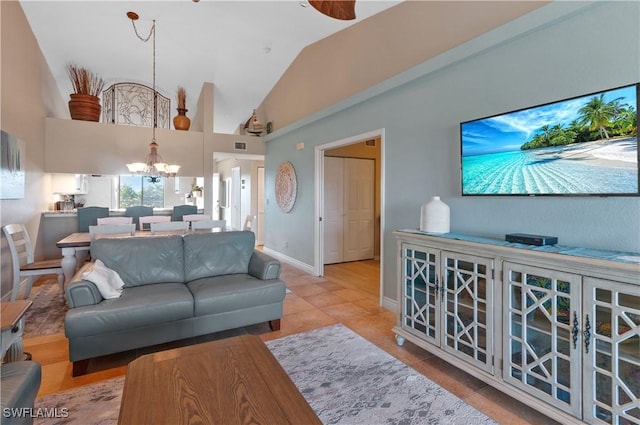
point(541, 349)
point(467, 303)
point(420, 302)
point(611, 349)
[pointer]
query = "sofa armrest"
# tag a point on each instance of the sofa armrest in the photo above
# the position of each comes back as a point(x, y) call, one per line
point(264, 266)
point(20, 385)
point(80, 292)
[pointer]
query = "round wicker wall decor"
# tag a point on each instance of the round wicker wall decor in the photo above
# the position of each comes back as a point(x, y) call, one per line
point(286, 186)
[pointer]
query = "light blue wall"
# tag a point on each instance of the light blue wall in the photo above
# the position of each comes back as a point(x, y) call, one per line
point(590, 48)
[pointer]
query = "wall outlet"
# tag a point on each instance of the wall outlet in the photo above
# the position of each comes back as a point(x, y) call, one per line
point(300, 146)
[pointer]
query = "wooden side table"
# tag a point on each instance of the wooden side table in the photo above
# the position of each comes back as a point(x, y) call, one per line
point(12, 327)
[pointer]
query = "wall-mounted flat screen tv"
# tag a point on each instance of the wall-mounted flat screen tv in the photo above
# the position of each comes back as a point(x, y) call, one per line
point(587, 145)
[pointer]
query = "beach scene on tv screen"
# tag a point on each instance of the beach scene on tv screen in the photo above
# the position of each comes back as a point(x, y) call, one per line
point(584, 145)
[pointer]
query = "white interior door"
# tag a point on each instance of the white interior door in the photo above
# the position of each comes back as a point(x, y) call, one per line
point(333, 210)
point(349, 209)
point(236, 220)
point(226, 209)
point(359, 192)
point(259, 225)
point(215, 196)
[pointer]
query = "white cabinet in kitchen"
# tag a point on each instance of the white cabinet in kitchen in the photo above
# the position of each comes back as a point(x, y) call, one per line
point(70, 184)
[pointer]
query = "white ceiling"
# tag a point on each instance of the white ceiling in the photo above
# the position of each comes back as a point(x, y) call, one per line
point(242, 47)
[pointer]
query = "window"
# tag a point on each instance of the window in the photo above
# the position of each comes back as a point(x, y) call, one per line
point(138, 190)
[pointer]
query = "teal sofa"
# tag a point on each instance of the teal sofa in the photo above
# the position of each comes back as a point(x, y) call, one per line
point(175, 287)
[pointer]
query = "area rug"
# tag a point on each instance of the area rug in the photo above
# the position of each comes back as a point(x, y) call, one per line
point(95, 404)
point(46, 314)
point(348, 380)
point(345, 379)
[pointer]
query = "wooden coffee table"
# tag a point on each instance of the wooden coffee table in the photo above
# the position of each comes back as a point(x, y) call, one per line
point(231, 381)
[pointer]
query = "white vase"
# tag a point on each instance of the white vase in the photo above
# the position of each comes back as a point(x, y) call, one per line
point(434, 216)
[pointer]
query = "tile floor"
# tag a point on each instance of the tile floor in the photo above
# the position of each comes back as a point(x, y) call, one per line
point(348, 294)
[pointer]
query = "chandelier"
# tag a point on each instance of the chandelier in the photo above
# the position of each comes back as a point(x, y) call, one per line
point(153, 166)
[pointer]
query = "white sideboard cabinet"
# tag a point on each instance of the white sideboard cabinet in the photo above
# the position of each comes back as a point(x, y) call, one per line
point(448, 301)
point(556, 327)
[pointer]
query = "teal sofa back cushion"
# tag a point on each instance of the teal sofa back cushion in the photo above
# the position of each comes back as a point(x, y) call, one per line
point(216, 254)
point(143, 260)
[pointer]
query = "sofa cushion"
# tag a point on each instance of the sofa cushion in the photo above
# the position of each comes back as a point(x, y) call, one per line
point(138, 306)
point(142, 260)
point(215, 254)
point(220, 294)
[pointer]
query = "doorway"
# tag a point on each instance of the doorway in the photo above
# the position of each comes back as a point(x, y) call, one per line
point(215, 197)
point(320, 228)
point(236, 200)
point(349, 207)
point(260, 216)
point(240, 191)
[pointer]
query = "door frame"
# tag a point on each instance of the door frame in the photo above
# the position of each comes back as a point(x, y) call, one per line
point(216, 205)
point(318, 268)
point(259, 223)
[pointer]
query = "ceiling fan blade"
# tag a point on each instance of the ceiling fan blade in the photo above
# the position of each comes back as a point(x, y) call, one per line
point(339, 9)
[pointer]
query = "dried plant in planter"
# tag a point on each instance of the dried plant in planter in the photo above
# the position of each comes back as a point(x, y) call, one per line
point(84, 104)
point(182, 98)
point(181, 121)
point(84, 81)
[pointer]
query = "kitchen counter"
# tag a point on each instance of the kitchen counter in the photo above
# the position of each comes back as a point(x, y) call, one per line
point(59, 213)
point(119, 212)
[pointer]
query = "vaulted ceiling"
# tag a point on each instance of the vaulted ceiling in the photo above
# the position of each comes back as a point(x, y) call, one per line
point(242, 47)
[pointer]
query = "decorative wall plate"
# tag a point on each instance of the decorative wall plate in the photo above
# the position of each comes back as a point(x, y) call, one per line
point(286, 186)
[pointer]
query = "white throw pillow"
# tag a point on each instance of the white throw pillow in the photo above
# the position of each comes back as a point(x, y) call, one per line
point(108, 281)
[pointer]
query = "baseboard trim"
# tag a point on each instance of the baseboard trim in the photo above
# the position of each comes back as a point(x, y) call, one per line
point(291, 261)
point(389, 304)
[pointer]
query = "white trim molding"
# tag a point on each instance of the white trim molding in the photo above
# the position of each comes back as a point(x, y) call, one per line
point(291, 261)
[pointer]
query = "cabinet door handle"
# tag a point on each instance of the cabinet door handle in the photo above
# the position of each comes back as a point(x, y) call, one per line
point(441, 287)
point(587, 334)
point(437, 286)
point(576, 330)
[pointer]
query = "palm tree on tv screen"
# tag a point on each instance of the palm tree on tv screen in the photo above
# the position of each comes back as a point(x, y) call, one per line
point(598, 114)
point(627, 122)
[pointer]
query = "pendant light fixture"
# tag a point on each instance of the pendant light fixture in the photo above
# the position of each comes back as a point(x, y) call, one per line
point(153, 166)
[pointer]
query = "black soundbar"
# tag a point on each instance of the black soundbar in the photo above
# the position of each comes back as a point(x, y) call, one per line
point(531, 239)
